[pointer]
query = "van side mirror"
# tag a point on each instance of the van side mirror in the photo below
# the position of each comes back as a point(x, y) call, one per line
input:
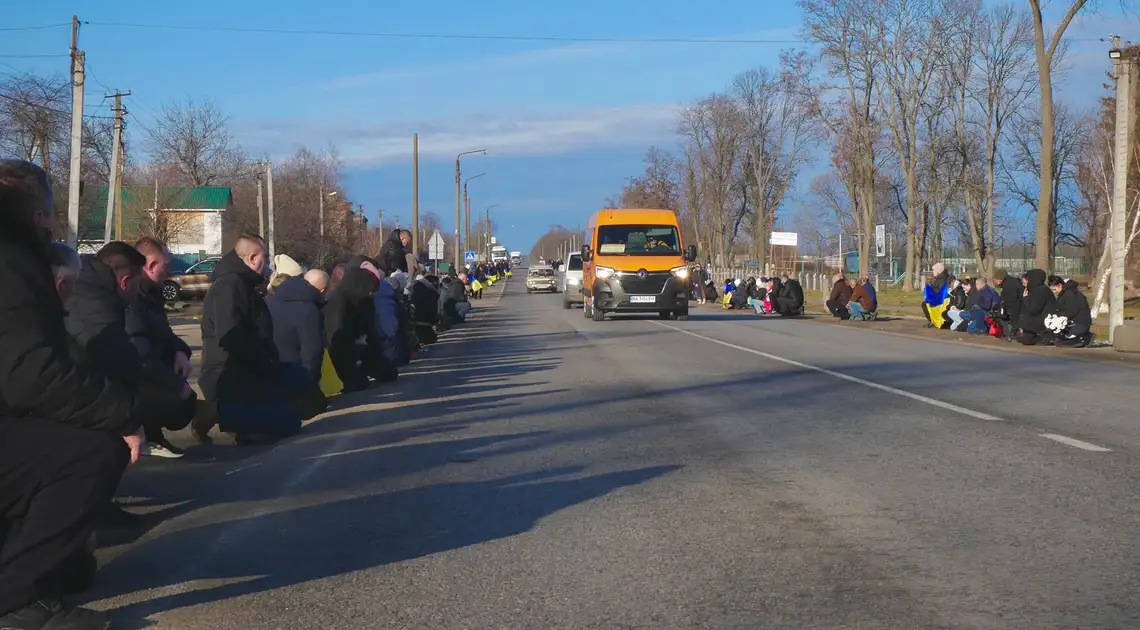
point(587, 255)
point(690, 253)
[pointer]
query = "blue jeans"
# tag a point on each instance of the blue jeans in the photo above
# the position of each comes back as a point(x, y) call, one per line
point(957, 317)
point(977, 325)
point(275, 417)
point(856, 309)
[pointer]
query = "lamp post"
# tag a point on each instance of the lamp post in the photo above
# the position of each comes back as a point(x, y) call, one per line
point(458, 202)
point(1119, 217)
point(321, 248)
point(467, 212)
point(487, 230)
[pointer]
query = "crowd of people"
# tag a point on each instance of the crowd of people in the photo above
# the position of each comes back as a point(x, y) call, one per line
point(782, 295)
point(1035, 309)
point(92, 376)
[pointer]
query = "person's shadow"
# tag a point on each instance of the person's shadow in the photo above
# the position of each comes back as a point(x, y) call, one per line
point(293, 546)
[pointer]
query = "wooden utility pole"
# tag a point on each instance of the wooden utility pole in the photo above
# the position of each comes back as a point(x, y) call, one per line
point(113, 203)
point(415, 194)
point(77, 81)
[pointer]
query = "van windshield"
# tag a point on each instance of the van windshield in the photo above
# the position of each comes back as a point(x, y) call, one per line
point(574, 264)
point(638, 240)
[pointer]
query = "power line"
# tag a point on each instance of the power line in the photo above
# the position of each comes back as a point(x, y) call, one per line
point(46, 108)
point(43, 56)
point(395, 35)
point(34, 28)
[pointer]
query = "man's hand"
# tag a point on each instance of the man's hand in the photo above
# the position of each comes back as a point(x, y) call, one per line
point(135, 443)
point(182, 365)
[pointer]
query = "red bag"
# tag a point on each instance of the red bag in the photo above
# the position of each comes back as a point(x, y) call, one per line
point(995, 328)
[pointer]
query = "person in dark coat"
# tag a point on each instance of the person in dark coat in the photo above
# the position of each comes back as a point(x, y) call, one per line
point(1011, 291)
point(789, 298)
point(299, 334)
point(241, 372)
point(984, 301)
point(172, 404)
point(424, 302)
point(840, 295)
point(351, 332)
point(298, 324)
point(1074, 307)
point(67, 431)
point(393, 256)
point(1038, 304)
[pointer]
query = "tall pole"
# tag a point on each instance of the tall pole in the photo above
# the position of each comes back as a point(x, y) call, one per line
point(260, 206)
point(467, 223)
point(112, 184)
point(458, 205)
point(77, 80)
point(269, 194)
point(321, 213)
point(1122, 148)
point(415, 193)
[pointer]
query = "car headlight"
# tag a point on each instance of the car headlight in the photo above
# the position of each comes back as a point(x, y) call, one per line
point(603, 273)
point(681, 273)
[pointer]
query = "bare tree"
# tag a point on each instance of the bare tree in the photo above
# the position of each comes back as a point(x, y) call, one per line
point(849, 35)
point(712, 131)
point(780, 124)
point(656, 188)
point(197, 138)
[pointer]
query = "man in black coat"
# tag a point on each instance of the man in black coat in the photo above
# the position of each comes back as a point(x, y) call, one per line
point(66, 432)
point(299, 333)
point(241, 374)
point(789, 298)
point(1038, 304)
point(1011, 297)
point(168, 401)
point(394, 255)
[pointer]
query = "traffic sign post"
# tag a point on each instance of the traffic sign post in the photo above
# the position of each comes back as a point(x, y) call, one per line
point(435, 247)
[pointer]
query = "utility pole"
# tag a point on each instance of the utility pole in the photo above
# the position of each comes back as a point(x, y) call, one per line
point(269, 190)
point(113, 204)
point(260, 205)
point(458, 208)
point(1122, 149)
point(415, 193)
point(77, 81)
point(467, 224)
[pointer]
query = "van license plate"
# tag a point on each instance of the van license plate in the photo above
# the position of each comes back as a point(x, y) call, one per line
point(642, 299)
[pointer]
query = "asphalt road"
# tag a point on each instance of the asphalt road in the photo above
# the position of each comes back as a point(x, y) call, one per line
point(540, 470)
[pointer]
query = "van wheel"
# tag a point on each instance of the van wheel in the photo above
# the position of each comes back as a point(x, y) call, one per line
point(566, 304)
point(598, 314)
point(665, 315)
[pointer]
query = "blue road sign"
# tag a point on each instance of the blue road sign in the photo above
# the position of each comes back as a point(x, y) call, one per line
point(470, 257)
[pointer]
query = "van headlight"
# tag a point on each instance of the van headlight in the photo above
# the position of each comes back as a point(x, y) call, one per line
point(681, 273)
point(603, 273)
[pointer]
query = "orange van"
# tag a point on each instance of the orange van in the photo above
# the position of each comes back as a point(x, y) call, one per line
point(633, 261)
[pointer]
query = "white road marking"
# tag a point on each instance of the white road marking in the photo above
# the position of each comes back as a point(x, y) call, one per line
point(1075, 443)
point(846, 377)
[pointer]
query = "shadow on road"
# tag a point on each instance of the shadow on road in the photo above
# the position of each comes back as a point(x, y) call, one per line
point(387, 528)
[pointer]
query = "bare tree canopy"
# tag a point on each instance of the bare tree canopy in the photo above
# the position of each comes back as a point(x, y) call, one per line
point(196, 137)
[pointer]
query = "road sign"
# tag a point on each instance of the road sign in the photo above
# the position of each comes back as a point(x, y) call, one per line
point(470, 257)
point(881, 240)
point(787, 239)
point(435, 246)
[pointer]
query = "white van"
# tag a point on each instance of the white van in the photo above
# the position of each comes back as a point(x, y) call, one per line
point(571, 280)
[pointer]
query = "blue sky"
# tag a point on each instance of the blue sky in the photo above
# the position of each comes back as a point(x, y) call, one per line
point(564, 123)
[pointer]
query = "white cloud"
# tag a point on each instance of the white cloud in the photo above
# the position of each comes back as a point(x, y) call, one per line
point(542, 134)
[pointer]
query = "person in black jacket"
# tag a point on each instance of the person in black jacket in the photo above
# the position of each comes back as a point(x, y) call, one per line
point(393, 256)
point(241, 374)
point(1039, 303)
point(1074, 307)
point(1011, 297)
point(67, 432)
point(789, 297)
point(169, 402)
point(352, 334)
point(299, 333)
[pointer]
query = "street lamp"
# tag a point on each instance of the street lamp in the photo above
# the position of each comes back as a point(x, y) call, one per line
point(322, 211)
point(467, 212)
point(458, 202)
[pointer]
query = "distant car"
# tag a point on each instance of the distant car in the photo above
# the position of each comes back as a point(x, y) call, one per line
point(541, 278)
point(192, 283)
point(572, 281)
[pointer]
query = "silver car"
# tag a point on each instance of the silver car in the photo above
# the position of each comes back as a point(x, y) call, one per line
point(570, 280)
